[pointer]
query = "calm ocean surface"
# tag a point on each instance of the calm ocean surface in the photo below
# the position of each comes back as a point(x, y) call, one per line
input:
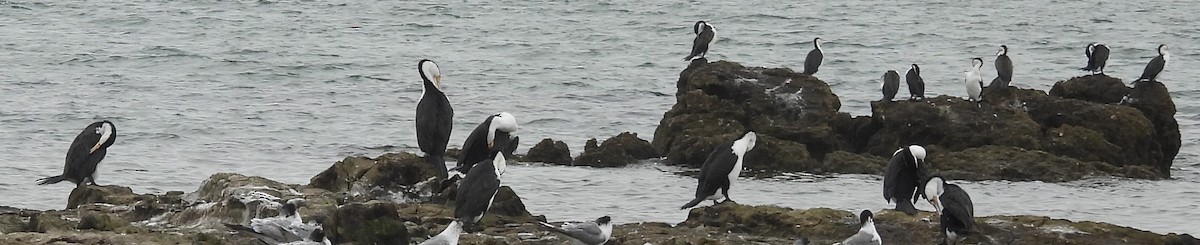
point(282, 89)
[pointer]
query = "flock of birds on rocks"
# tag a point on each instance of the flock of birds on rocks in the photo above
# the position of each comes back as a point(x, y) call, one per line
point(482, 160)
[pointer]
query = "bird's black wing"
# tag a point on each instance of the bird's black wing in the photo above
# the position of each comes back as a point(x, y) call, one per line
point(475, 148)
point(1100, 57)
point(700, 43)
point(80, 152)
point(957, 205)
point(475, 192)
point(1004, 68)
point(1153, 68)
point(813, 61)
point(891, 178)
point(714, 172)
point(433, 131)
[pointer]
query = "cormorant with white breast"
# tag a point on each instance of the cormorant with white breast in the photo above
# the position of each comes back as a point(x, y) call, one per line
point(1004, 68)
point(867, 235)
point(890, 85)
point(916, 85)
point(953, 205)
point(904, 174)
point(705, 34)
point(813, 61)
point(484, 138)
point(721, 168)
point(435, 118)
point(86, 152)
point(587, 233)
point(1156, 65)
point(974, 81)
point(1097, 54)
point(478, 188)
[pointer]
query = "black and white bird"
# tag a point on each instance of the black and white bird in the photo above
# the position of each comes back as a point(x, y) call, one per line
point(866, 234)
point(974, 81)
point(478, 188)
point(435, 118)
point(890, 85)
point(1097, 54)
point(586, 233)
point(953, 205)
point(721, 168)
point(286, 228)
point(813, 61)
point(85, 154)
point(494, 130)
point(449, 236)
point(916, 85)
point(705, 35)
point(904, 174)
point(1004, 67)
point(1150, 74)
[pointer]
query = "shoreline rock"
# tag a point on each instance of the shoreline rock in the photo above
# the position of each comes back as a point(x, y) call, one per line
point(123, 217)
point(1092, 122)
point(620, 150)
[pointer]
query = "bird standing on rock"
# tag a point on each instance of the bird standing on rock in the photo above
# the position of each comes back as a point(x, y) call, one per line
point(1004, 68)
point(813, 61)
point(495, 130)
point(721, 168)
point(867, 235)
point(435, 118)
point(86, 152)
point(953, 205)
point(705, 34)
point(478, 188)
point(974, 81)
point(904, 174)
point(890, 85)
point(1150, 74)
point(916, 85)
point(1097, 54)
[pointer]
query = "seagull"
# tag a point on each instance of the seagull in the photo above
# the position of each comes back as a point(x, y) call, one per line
point(866, 234)
point(287, 228)
point(449, 236)
point(587, 233)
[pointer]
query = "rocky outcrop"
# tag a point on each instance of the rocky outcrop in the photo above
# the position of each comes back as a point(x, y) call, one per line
point(620, 150)
point(549, 151)
point(372, 222)
point(389, 171)
point(1086, 126)
point(716, 102)
point(826, 226)
point(227, 198)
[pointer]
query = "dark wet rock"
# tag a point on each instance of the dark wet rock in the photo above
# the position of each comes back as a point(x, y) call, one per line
point(390, 171)
point(507, 208)
point(1097, 88)
point(111, 194)
point(716, 102)
point(374, 222)
point(1154, 101)
point(234, 198)
point(1085, 119)
point(1012, 163)
point(620, 150)
point(950, 122)
point(825, 226)
point(850, 163)
point(549, 151)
